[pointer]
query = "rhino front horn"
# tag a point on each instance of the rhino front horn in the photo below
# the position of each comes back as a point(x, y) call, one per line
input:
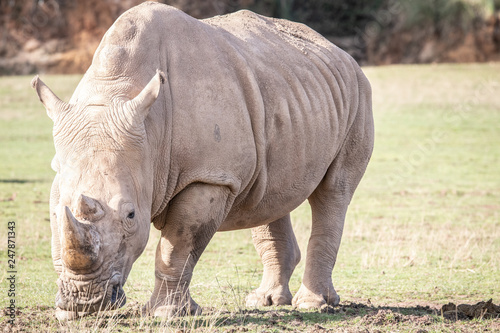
point(80, 243)
point(89, 209)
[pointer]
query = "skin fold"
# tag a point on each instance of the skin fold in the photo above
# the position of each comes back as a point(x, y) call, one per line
point(199, 126)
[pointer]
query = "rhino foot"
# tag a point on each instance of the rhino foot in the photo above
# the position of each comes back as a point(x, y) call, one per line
point(275, 296)
point(64, 315)
point(169, 311)
point(172, 310)
point(308, 299)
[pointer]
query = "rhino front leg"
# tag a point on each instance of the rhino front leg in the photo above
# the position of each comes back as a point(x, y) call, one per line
point(278, 249)
point(193, 216)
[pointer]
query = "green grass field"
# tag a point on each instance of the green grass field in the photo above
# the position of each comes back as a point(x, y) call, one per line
point(422, 230)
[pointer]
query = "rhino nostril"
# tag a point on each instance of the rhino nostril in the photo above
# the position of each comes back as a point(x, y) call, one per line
point(114, 294)
point(117, 296)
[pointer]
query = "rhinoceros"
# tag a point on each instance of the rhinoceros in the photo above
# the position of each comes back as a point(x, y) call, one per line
point(199, 126)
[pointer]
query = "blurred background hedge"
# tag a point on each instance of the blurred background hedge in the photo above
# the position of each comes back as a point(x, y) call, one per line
point(60, 36)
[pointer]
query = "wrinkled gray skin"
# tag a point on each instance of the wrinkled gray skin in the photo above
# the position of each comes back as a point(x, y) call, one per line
point(250, 117)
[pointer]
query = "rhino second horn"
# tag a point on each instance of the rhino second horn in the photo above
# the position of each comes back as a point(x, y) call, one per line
point(79, 243)
point(89, 208)
point(138, 108)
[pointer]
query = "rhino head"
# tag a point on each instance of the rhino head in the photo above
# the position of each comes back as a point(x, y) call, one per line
point(101, 196)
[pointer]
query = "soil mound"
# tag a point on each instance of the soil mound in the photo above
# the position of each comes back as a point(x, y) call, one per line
point(486, 310)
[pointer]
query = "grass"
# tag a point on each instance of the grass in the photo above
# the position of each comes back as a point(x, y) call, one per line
point(422, 230)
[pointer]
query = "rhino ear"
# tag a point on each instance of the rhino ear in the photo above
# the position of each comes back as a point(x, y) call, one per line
point(140, 105)
point(51, 102)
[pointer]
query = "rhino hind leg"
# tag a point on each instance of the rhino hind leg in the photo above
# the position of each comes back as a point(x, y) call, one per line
point(329, 203)
point(191, 219)
point(328, 214)
point(278, 249)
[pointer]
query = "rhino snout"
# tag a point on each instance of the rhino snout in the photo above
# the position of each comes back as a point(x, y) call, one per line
point(78, 298)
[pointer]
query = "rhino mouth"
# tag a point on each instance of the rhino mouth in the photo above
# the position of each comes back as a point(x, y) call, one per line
point(79, 298)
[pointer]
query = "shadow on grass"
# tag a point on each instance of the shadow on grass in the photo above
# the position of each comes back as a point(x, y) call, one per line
point(287, 318)
point(20, 181)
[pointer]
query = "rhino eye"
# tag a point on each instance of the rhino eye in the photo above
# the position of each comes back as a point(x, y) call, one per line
point(131, 215)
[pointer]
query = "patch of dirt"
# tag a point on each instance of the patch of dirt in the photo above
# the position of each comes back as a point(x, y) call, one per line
point(327, 309)
point(486, 310)
point(317, 328)
point(348, 317)
point(131, 310)
point(11, 198)
point(28, 319)
point(385, 317)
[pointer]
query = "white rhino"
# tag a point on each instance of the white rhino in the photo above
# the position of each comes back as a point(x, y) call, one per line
point(253, 116)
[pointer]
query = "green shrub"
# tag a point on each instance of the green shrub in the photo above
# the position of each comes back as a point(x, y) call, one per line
point(330, 18)
point(445, 15)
